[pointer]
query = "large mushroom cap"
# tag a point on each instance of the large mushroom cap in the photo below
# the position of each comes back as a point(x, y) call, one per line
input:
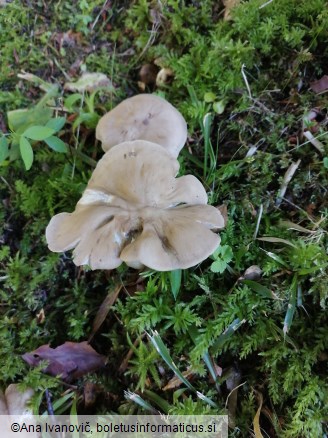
point(135, 210)
point(181, 237)
point(143, 117)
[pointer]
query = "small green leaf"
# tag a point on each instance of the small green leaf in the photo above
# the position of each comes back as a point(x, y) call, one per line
point(38, 132)
point(325, 162)
point(216, 253)
point(219, 106)
point(56, 123)
point(4, 150)
point(226, 253)
point(71, 100)
point(26, 152)
point(21, 119)
point(88, 119)
point(56, 144)
point(175, 280)
point(209, 97)
point(223, 252)
point(218, 266)
point(260, 289)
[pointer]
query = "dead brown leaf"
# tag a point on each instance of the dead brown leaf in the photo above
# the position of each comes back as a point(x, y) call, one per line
point(89, 82)
point(232, 382)
point(67, 39)
point(218, 373)
point(310, 208)
point(256, 420)
point(224, 211)
point(320, 85)
point(40, 317)
point(175, 382)
point(69, 361)
point(103, 310)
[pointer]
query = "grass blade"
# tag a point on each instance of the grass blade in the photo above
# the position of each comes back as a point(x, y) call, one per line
point(276, 240)
point(193, 332)
point(209, 156)
point(260, 289)
point(206, 399)
point(165, 354)
point(140, 401)
point(291, 306)
point(157, 342)
point(160, 402)
point(276, 258)
point(209, 363)
point(230, 330)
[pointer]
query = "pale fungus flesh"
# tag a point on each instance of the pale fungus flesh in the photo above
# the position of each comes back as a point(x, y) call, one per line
point(138, 212)
point(143, 117)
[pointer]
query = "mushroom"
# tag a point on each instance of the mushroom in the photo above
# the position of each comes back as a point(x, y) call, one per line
point(143, 117)
point(135, 210)
point(14, 401)
point(164, 77)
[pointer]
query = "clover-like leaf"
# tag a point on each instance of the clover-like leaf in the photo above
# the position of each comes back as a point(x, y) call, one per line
point(56, 124)
point(38, 132)
point(218, 266)
point(56, 144)
point(4, 150)
point(26, 152)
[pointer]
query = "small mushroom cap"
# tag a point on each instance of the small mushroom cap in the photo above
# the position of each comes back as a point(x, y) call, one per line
point(17, 401)
point(135, 210)
point(143, 117)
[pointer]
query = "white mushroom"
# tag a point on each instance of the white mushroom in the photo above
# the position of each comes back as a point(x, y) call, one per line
point(135, 210)
point(143, 117)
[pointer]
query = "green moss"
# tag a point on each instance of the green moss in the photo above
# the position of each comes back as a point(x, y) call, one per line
point(258, 67)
